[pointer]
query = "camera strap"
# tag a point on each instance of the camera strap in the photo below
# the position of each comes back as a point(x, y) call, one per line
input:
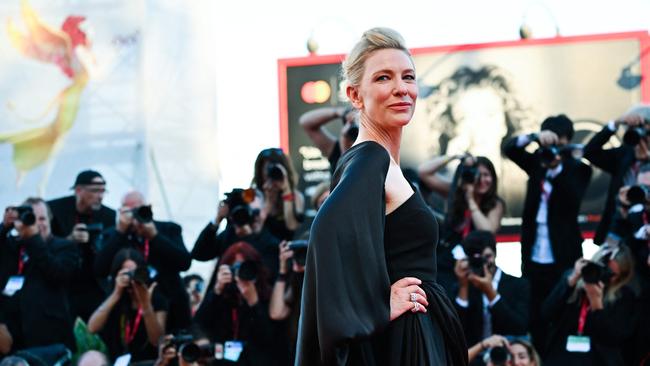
point(145, 250)
point(21, 260)
point(235, 323)
point(467, 223)
point(583, 316)
point(129, 333)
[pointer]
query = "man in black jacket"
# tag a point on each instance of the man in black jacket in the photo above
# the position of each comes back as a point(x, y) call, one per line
point(81, 218)
point(551, 240)
point(163, 249)
point(622, 163)
point(495, 303)
point(35, 269)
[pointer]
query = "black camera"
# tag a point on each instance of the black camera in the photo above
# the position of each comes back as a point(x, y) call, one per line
point(140, 275)
point(633, 135)
point(274, 172)
point(638, 194)
point(547, 154)
point(192, 352)
point(26, 215)
point(594, 272)
point(95, 229)
point(143, 214)
point(240, 212)
point(477, 264)
point(246, 270)
point(299, 248)
point(469, 174)
point(498, 356)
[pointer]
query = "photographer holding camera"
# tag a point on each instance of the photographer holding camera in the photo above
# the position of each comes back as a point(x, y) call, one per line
point(287, 291)
point(551, 240)
point(314, 121)
point(185, 350)
point(488, 300)
point(241, 208)
point(284, 206)
point(623, 162)
point(235, 310)
point(473, 204)
point(82, 218)
point(35, 270)
point(591, 311)
point(133, 316)
point(161, 245)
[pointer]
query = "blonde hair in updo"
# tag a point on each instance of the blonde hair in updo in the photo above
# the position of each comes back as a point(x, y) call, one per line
point(372, 40)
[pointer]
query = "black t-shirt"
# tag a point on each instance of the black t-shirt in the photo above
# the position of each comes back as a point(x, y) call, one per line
point(122, 314)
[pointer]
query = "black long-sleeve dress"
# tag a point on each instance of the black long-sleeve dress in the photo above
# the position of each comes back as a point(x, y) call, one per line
point(355, 253)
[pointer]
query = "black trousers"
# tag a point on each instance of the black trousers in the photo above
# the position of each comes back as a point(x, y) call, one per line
point(542, 279)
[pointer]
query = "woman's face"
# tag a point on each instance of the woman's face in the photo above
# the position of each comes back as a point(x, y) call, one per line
point(387, 93)
point(520, 356)
point(485, 180)
point(129, 265)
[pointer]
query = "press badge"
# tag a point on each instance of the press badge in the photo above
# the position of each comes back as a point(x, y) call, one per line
point(152, 272)
point(232, 350)
point(123, 360)
point(14, 285)
point(578, 344)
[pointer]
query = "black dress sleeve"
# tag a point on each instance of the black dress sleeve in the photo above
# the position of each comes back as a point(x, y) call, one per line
point(346, 291)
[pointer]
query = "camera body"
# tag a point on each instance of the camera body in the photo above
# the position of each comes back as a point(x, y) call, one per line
point(246, 270)
point(274, 172)
point(140, 275)
point(633, 135)
point(299, 248)
point(143, 214)
point(638, 194)
point(238, 203)
point(26, 215)
point(498, 356)
point(190, 352)
point(469, 174)
point(594, 272)
point(476, 264)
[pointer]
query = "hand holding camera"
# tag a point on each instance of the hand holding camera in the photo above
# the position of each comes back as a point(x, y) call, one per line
point(461, 269)
point(224, 277)
point(594, 292)
point(285, 255)
point(631, 120)
point(124, 220)
point(222, 212)
point(122, 282)
point(21, 218)
point(80, 234)
point(547, 138)
point(143, 294)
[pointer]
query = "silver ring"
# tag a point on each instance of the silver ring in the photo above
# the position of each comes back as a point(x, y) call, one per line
point(416, 306)
point(414, 296)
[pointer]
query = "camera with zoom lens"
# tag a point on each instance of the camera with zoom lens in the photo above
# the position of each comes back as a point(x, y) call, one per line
point(246, 270)
point(274, 172)
point(477, 264)
point(190, 351)
point(143, 214)
point(26, 215)
point(240, 213)
point(140, 275)
point(638, 194)
point(299, 248)
point(633, 135)
point(594, 272)
point(469, 174)
point(497, 356)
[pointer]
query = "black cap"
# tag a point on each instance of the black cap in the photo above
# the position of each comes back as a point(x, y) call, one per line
point(87, 177)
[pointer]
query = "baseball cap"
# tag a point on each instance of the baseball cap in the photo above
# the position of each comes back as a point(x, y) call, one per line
point(87, 177)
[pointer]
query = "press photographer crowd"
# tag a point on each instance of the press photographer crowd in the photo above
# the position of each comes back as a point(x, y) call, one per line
point(85, 284)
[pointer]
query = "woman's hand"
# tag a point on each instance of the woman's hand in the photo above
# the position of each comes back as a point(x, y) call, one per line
point(461, 269)
point(594, 292)
point(494, 341)
point(401, 294)
point(577, 272)
point(122, 281)
point(224, 277)
point(248, 291)
point(285, 255)
point(143, 294)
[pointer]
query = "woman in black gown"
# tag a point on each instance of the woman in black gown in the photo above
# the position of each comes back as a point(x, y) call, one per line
point(370, 295)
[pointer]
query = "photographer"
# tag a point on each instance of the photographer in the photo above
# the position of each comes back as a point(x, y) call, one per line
point(284, 205)
point(591, 311)
point(488, 300)
point(473, 205)
point(314, 121)
point(550, 235)
point(133, 316)
point(235, 311)
point(161, 245)
point(241, 209)
point(623, 162)
point(184, 350)
point(287, 291)
point(35, 270)
point(81, 218)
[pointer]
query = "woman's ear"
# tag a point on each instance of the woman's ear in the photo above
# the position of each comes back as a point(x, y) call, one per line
point(354, 97)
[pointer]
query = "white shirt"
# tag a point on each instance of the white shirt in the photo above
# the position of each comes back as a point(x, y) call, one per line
point(542, 249)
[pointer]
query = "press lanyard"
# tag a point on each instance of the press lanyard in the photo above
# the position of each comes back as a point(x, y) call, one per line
point(21, 263)
point(583, 316)
point(468, 223)
point(129, 333)
point(235, 324)
point(145, 250)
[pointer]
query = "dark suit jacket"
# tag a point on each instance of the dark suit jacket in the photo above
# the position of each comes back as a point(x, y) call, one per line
point(167, 255)
point(617, 163)
point(509, 314)
point(43, 311)
point(563, 207)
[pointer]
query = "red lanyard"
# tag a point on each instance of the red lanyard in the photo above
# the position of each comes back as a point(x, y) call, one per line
point(145, 250)
point(583, 316)
point(129, 333)
point(467, 226)
point(21, 263)
point(235, 324)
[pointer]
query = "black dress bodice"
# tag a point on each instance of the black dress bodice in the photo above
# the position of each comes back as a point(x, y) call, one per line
point(410, 237)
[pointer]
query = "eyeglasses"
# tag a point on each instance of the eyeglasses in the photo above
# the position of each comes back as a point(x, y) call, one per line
point(272, 151)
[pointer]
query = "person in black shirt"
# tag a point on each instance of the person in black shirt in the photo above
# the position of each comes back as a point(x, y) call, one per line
point(161, 245)
point(35, 269)
point(314, 121)
point(81, 218)
point(132, 318)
